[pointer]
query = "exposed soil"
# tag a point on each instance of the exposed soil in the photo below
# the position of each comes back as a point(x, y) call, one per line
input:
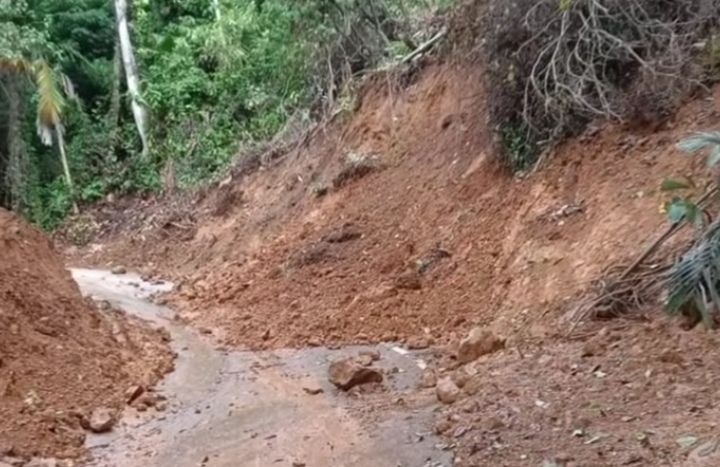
point(60, 357)
point(640, 394)
point(396, 224)
point(437, 240)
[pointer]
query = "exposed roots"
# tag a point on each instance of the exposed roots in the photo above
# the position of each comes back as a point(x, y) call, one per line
point(617, 293)
point(554, 65)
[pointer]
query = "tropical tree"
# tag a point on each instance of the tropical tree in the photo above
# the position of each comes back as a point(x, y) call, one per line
point(131, 73)
point(22, 47)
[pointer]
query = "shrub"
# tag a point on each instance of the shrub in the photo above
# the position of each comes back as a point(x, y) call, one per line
point(554, 65)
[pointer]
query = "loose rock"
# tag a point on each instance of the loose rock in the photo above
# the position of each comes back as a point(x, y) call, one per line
point(446, 391)
point(479, 342)
point(346, 374)
point(102, 420)
point(364, 360)
point(118, 270)
point(373, 354)
point(419, 342)
point(428, 379)
point(442, 426)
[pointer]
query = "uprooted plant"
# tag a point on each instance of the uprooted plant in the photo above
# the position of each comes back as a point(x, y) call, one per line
point(688, 285)
point(554, 65)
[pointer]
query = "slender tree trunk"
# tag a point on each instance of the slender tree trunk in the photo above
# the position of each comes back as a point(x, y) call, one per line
point(216, 7)
point(131, 73)
point(114, 110)
point(17, 161)
point(66, 167)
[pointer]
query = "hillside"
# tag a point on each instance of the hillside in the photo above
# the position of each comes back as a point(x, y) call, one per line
point(398, 221)
point(434, 239)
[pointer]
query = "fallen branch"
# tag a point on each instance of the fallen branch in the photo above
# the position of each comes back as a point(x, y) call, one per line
point(664, 237)
point(424, 46)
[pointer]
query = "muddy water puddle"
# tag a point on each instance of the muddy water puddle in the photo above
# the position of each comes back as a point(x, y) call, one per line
point(237, 408)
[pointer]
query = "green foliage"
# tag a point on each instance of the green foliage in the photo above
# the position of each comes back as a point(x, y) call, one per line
point(215, 76)
point(693, 281)
point(517, 145)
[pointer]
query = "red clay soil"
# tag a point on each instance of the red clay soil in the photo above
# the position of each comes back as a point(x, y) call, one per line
point(60, 357)
point(634, 394)
point(434, 239)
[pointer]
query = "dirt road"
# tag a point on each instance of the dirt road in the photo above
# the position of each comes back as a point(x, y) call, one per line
point(231, 408)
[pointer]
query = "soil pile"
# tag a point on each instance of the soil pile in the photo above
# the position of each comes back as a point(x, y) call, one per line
point(397, 225)
point(60, 357)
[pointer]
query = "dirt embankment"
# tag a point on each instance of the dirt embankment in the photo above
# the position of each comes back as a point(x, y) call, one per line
point(60, 357)
point(398, 225)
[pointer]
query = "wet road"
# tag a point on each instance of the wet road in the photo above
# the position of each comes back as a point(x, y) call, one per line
point(237, 409)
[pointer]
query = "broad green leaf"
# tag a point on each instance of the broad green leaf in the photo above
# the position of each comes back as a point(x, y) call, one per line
point(693, 213)
point(676, 210)
point(672, 184)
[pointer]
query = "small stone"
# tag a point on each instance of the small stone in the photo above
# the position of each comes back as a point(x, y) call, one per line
point(298, 464)
point(313, 391)
point(148, 399)
point(133, 392)
point(419, 342)
point(460, 378)
point(161, 406)
point(364, 360)
point(446, 391)
point(118, 270)
point(266, 335)
point(374, 355)
point(428, 379)
point(442, 426)
point(102, 420)
point(479, 342)
point(346, 374)
point(409, 281)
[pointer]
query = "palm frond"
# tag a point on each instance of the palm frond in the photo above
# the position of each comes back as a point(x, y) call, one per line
point(50, 101)
point(15, 64)
point(694, 278)
point(699, 141)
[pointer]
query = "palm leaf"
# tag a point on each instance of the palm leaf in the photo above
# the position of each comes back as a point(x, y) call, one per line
point(699, 141)
point(694, 278)
point(50, 101)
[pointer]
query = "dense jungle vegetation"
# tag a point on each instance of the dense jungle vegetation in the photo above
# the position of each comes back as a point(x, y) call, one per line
point(101, 96)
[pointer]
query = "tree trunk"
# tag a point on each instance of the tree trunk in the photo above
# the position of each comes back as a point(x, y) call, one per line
point(17, 160)
point(114, 110)
point(216, 7)
point(131, 73)
point(66, 167)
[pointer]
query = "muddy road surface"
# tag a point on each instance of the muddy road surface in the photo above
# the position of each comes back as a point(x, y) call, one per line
point(243, 409)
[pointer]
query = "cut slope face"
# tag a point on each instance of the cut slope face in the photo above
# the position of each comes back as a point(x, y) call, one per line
point(432, 239)
point(60, 358)
point(436, 241)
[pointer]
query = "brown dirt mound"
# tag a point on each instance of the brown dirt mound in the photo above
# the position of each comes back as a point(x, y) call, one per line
point(60, 357)
point(441, 238)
